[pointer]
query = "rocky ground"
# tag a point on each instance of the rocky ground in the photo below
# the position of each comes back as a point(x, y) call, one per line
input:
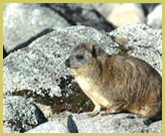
point(40, 94)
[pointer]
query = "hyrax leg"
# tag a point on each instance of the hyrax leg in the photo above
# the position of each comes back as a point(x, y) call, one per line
point(96, 110)
point(112, 109)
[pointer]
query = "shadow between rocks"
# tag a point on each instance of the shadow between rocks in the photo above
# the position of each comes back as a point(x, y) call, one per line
point(71, 125)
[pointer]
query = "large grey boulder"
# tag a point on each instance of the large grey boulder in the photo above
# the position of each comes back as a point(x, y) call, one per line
point(114, 123)
point(20, 115)
point(23, 21)
point(118, 123)
point(67, 122)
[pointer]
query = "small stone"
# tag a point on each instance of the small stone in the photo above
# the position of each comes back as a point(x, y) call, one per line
point(20, 115)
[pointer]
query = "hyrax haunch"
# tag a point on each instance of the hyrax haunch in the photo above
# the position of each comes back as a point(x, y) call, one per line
point(117, 82)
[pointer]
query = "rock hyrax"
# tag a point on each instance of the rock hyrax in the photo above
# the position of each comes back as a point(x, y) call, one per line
point(117, 82)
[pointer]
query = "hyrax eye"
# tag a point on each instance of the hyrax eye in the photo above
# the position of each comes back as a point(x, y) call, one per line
point(79, 57)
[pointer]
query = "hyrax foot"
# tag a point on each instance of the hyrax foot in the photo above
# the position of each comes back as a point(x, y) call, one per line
point(111, 110)
point(105, 114)
point(138, 115)
point(131, 116)
point(95, 111)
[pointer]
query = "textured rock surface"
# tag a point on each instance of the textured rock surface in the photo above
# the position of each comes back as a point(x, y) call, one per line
point(109, 124)
point(50, 127)
point(23, 21)
point(114, 123)
point(155, 17)
point(20, 115)
point(145, 41)
point(81, 14)
point(8, 129)
point(155, 127)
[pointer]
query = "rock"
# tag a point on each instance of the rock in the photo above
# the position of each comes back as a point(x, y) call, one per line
point(114, 123)
point(155, 127)
point(118, 123)
point(145, 41)
point(44, 32)
point(50, 127)
point(7, 129)
point(148, 7)
point(104, 8)
point(128, 13)
point(155, 17)
point(81, 14)
point(20, 115)
point(23, 21)
point(67, 122)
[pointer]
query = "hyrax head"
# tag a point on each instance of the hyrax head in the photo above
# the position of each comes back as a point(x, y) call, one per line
point(84, 56)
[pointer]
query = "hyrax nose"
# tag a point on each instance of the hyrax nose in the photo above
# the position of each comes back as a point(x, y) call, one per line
point(67, 63)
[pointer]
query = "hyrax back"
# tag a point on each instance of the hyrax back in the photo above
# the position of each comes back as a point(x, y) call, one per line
point(117, 82)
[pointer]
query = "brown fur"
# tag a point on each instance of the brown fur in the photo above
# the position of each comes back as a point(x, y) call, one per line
point(117, 82)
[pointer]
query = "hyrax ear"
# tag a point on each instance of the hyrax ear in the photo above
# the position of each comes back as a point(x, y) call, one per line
point(97, 51)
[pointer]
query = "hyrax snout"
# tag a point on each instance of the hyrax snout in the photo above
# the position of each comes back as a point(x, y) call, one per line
point(117, 82)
